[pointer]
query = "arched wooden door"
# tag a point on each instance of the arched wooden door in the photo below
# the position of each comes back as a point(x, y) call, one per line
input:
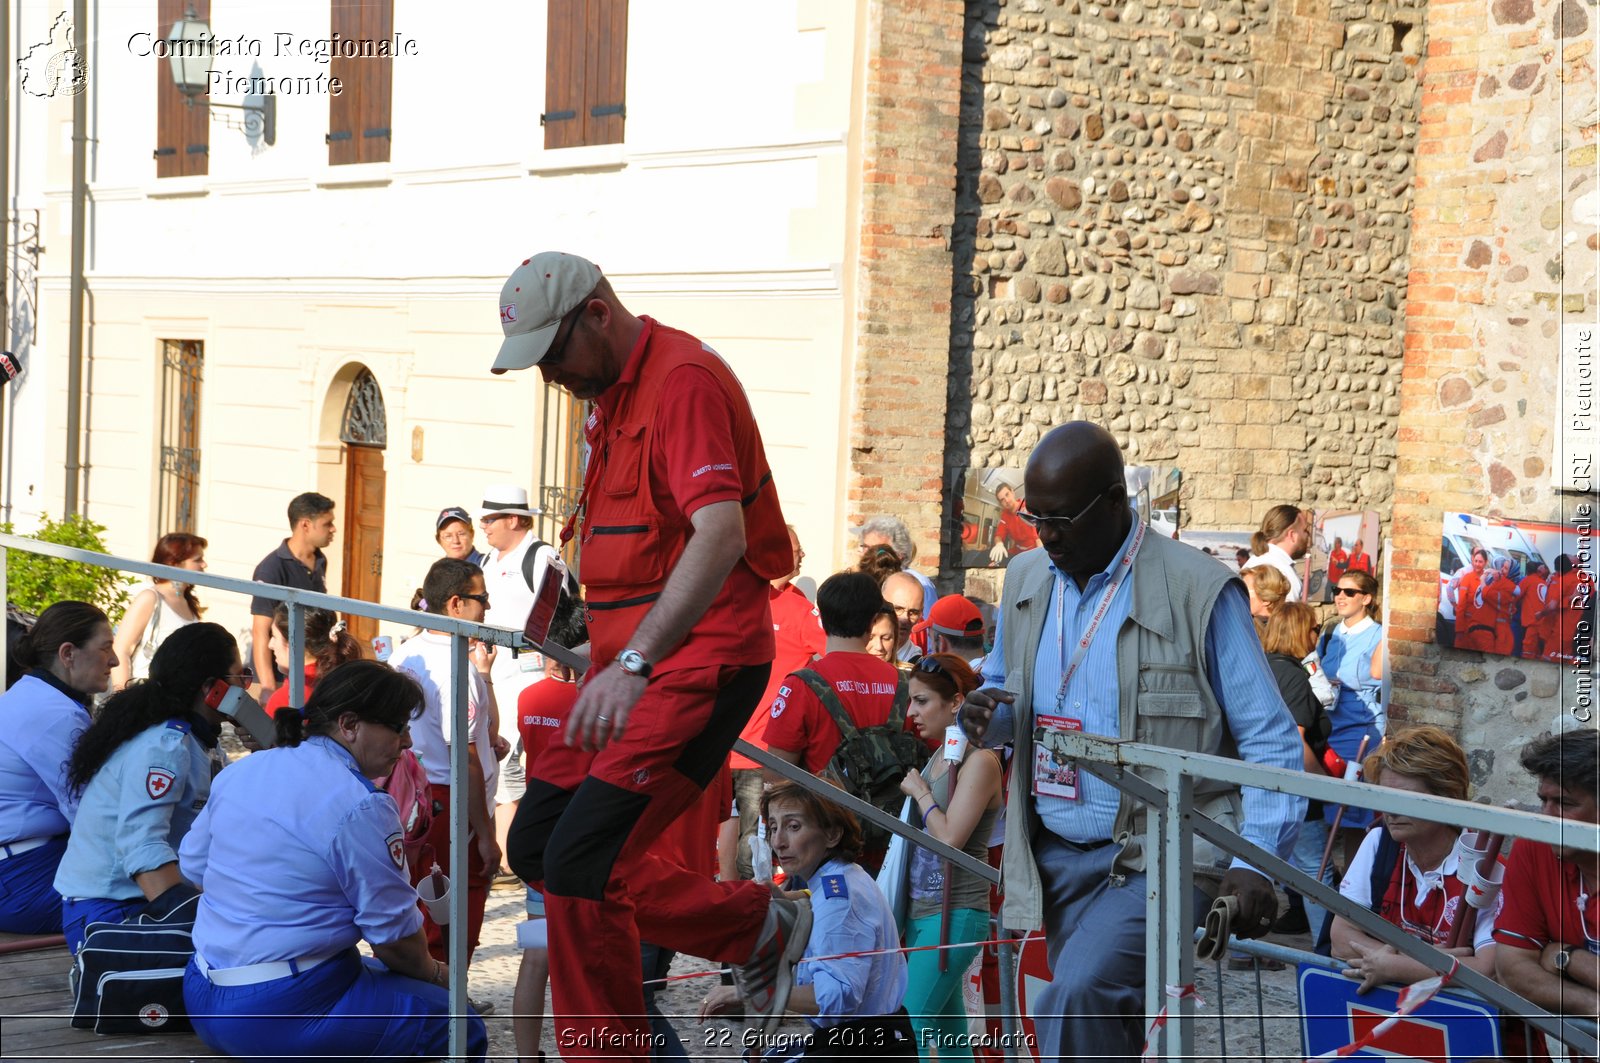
point(364, 433)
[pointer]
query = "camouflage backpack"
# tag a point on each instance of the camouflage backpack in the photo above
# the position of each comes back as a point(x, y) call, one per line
point(870, 761)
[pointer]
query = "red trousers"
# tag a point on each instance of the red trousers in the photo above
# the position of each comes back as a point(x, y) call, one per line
point(438, 837)
point(603, 888)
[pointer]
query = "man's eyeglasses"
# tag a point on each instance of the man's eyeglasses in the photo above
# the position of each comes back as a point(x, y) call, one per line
point(902, 613)
point(1341, 592)
point(1061, 524)
point(558, 351)
point(481, 599)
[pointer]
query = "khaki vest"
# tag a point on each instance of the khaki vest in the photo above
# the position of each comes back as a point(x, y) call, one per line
point(1165, 699)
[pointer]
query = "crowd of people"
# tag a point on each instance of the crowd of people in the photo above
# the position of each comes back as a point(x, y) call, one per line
point(616, 801)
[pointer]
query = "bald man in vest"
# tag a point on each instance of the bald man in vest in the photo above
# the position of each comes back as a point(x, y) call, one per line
point(681, 532)
point(1172, 622)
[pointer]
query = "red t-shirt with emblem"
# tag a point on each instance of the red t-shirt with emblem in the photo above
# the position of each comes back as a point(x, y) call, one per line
point(1540, 902)
point(799, 722)
point(693, 464)
point(797, 629)
point(542, 712)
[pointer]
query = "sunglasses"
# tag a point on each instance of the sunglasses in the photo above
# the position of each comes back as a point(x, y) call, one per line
point(481, 599)
point(558, 351)
point(929, 666)
point(1342, 592)
point(244, 676)
point(1038, 522)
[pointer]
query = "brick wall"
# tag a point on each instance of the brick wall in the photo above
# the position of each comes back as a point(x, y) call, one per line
point(903, 286)
point(1503, 252)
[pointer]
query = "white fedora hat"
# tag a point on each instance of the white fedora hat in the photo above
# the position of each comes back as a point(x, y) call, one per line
point(506, 498)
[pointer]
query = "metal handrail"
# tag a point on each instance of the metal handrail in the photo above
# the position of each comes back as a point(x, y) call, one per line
point(1175, 822)
point(460, 632)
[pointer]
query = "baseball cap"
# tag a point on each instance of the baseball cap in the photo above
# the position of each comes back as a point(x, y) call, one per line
point(955, 617)
point(537, 295)
point(448, 515)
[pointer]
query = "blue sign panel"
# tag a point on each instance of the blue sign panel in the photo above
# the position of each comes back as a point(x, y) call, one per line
point(1447, 1029)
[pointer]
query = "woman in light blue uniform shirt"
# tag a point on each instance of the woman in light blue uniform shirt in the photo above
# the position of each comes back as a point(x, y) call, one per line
point(69, 657)
point(855, 1004)
point(1347, 650)
point(143, 771)
point(300, 857)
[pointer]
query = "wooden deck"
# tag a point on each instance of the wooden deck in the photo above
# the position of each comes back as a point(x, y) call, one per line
point(36, 1013)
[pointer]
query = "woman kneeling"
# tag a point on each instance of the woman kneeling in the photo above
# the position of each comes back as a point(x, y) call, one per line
point(300, 857)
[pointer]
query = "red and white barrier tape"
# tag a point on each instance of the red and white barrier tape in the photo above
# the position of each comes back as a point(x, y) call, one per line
point(1411, 998)
point(1176, 992)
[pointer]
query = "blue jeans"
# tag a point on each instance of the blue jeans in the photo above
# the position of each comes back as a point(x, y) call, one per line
point(29, 903)
point(344, 1007)
point(1306, 856)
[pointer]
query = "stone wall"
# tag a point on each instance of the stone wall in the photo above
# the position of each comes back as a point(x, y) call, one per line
point(902, 297)
point(1503, 252)
point(1189, 221)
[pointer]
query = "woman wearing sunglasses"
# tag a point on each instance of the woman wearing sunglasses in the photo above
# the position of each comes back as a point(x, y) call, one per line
point(143, 771)
point(1347, 650)
point(301, 858)
point(959, 804)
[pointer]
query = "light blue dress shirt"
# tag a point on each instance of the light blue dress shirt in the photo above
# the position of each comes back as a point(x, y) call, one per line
point(135, 810)
point(299, 855)
point(39, 725)
point(849, 914)
point(1254, 710)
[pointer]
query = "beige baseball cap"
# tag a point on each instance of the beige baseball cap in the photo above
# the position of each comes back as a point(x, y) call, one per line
point(537, 295)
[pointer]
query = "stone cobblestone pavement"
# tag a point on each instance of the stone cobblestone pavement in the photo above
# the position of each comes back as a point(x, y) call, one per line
point(1227, 1028)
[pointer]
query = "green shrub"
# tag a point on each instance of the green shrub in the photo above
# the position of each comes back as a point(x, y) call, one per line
point(34, 582)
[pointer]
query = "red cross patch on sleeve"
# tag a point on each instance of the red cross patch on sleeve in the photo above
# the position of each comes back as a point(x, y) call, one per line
point(158, 781)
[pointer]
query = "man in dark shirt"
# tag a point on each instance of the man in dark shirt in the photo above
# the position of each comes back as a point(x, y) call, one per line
point(297, 562)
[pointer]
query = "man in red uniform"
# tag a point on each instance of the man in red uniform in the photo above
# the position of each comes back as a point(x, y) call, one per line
point(801, 731)
point(681, 533)
point(1571, 595)
point(1549, 925)
point(1533, 594)
point(1474, 619)
point(797, 629)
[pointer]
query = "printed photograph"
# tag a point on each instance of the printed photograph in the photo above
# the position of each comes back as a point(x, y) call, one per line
point(1341, 541)
point(1516, 588)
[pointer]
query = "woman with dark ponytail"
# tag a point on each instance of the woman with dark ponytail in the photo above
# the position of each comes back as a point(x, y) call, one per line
point(301, 857)
point(328, 645)
point(69, 657)
point(143, 771)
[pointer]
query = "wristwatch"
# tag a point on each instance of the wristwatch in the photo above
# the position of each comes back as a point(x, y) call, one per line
point(633, 662)
point(1563, 957)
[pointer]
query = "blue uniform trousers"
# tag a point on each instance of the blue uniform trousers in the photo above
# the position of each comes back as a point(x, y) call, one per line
point(29, 903)
point(76, 915)
point(344, 1007)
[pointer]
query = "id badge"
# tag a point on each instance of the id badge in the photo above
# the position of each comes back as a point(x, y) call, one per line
point(1053, 774)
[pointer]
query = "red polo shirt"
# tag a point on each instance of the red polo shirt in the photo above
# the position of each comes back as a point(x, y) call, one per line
point(693, 464)
point(542, 712)
point(799, 723)
point(797, 629)
point(1539, 902)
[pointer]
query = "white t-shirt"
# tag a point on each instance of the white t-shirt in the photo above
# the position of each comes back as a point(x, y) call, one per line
point(1279, 558)
point(510, 601)
point(1417, 885)
point(426, 658)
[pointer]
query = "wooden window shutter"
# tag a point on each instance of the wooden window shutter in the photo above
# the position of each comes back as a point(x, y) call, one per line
point(183, 130)
point(564, 74)
point(377, 85)
point(358, 118)
point(606, 71)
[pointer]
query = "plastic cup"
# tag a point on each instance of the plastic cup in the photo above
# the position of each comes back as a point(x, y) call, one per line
point(1481, 893)
point(437, 902)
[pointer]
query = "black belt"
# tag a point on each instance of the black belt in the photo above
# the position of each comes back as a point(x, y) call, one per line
point(1086, 847)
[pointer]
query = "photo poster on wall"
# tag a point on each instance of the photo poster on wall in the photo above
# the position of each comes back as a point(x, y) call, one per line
point(1342, 541)
point(1516, 588)
point(991, 499)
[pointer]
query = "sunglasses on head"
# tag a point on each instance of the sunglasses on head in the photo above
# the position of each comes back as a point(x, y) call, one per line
point(930, 666)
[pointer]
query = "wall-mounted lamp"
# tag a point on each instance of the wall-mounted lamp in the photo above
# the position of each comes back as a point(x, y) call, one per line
point(191, 45)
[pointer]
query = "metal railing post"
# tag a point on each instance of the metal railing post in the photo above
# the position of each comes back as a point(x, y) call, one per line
point(5, 588)
point(460, 779)
point(1010, 1014)
point(1155, 923)
point(1177, 907)
point(297, 655)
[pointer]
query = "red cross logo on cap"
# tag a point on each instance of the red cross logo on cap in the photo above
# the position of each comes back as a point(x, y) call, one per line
point(508, 314)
